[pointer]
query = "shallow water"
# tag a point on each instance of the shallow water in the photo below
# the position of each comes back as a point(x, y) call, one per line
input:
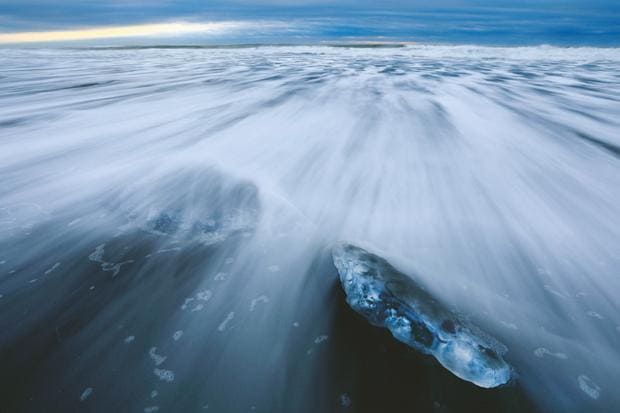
point(166, 219)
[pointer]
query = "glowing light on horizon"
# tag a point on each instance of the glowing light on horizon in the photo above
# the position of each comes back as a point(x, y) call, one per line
point(138, 30)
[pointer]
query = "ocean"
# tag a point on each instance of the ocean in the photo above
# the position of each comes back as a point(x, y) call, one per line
point(167, 219)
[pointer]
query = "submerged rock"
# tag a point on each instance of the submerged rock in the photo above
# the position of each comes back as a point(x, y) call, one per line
point(388, 298)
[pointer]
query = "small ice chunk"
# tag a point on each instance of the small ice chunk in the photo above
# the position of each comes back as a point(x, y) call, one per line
point(588, 386)
point(541, 352)
point(154, 394)
point(204, 295)
point(97, 255)
point(229, 260)
point(228, 318)
point(164, 375)
point(177, 335)
point(186, 302)
point(198, 307)
point(262, 298)
point(220, 276)
point(157, 358)
point(129, 339)
point(151, 409)
point(86, 393)
point(320, 339)
point(115, 268)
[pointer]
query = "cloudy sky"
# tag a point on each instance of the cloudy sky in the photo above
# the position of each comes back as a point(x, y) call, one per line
point(564, 22)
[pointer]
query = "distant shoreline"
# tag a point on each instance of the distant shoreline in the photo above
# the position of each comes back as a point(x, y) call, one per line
point(329, 44)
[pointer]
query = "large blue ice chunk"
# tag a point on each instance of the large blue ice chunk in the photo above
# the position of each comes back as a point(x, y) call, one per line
point(388, 298)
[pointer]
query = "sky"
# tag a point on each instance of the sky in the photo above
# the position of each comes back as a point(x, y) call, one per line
point(560, 22)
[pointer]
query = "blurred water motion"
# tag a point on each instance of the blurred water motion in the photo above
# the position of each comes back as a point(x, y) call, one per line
point(166, 219)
